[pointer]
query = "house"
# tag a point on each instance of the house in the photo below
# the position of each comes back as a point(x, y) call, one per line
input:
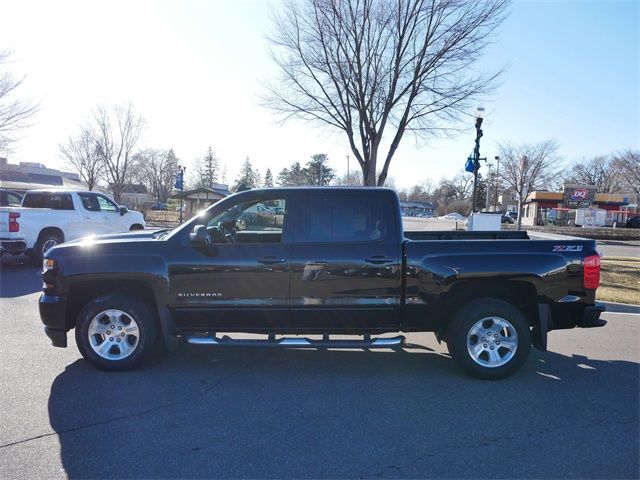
point(133, 195)
point(202, 197)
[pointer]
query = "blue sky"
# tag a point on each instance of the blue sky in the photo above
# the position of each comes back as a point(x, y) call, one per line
point(194, 68)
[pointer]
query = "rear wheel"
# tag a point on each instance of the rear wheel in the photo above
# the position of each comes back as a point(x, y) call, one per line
point(489, 338)
point(136, 226)
point(116, 332)
point(46, 241)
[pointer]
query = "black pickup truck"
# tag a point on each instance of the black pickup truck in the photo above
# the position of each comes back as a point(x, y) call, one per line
point(320, 262)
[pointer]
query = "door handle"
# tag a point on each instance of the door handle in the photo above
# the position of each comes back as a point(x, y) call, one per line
point(379, 260)
point(271, 260)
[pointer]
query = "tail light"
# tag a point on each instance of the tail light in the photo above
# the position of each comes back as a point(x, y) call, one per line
point(14, 226)
point(591, 272)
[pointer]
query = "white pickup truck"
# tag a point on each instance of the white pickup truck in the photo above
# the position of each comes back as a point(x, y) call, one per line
point(49, 217)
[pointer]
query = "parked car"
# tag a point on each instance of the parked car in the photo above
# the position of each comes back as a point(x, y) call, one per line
point(159, 206)
point(49, 217)
point(513, 215)
point(633, 222)
point(339, 263)
point(9, 198)
point(453, 216)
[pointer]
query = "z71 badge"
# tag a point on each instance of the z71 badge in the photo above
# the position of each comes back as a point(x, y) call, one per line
point(567, 248)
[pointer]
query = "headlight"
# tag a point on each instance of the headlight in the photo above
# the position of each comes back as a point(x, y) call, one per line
point(47, 264)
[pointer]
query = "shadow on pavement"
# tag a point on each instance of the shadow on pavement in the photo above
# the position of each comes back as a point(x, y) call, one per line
point(18, 277)
point(318, 414)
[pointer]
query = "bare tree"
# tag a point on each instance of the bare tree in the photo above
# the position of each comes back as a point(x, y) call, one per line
point(157, 170)
point(598, 171)
point(525, 168)
point(14, 112)
point(80, 153)
point(376, 69)
point(116, 132)
point(627, 167)
point(352, 179)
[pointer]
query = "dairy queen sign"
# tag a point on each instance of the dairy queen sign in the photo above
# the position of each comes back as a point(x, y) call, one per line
point(579, 196)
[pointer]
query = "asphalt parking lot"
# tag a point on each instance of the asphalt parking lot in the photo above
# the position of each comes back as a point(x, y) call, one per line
point(572, 412)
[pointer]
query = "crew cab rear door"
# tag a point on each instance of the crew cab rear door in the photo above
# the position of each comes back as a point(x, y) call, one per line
point(346, 264)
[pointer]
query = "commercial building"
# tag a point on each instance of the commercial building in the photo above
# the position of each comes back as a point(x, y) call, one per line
point(413, 209)
point(31, 175)
point(576, 205)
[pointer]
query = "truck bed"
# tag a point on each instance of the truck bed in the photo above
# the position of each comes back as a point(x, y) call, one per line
point(465, 235)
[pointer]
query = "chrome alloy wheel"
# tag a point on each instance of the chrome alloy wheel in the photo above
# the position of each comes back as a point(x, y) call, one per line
point(48, 245)
point(492, 342)
point(113, 334)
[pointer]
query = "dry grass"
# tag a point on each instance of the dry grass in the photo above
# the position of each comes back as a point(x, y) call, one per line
point(620, 280)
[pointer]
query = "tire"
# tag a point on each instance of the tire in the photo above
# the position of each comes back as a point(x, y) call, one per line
point(46, 241)
point(494, 356)
point(136, 226)
point(132, 340)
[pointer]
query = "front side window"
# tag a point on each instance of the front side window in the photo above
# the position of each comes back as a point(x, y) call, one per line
point(330, 218)
point(106, 205)
point(52, 200)
point(89, 202)
point(256, 221)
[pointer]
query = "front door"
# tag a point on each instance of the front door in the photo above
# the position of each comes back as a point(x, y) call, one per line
point(346, 266)
point(92, 221)
point(241, 281)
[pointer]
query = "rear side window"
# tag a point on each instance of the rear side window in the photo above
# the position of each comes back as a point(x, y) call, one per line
point(52, 200)
point(337, 217)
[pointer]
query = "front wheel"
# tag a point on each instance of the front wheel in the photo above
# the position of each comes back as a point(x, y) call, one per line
point(116, 332)
point(489, 338)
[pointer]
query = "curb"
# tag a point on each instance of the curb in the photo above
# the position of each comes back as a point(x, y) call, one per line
point(616, 307)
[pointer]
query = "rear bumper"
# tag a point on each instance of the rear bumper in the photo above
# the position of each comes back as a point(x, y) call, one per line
point(52, 313)
point(562, 316)
point(14, 247)
point(591, 316)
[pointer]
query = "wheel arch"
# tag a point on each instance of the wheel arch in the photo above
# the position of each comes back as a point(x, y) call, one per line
point(521, 294)
point(81, 293)
point(50, 229)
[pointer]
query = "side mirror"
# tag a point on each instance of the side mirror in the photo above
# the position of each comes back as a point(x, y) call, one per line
point(199, 237)
point(123, 210)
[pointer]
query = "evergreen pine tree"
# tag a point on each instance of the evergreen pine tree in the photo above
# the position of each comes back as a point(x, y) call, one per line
point(247, 178)
point(268, 179)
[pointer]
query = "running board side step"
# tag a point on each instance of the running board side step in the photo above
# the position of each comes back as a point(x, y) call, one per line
point(394, 342)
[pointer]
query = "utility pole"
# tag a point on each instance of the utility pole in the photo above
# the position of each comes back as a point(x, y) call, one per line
point(348, 172)
point(487, 203)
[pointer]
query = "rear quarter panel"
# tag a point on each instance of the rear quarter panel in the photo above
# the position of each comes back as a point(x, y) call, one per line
point(548, 269)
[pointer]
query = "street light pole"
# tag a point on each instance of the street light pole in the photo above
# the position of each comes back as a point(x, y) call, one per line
point(497, 182)
point(476, 155)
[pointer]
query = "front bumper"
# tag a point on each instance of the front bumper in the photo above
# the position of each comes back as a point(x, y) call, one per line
point(14, 247)
point(52, 313)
